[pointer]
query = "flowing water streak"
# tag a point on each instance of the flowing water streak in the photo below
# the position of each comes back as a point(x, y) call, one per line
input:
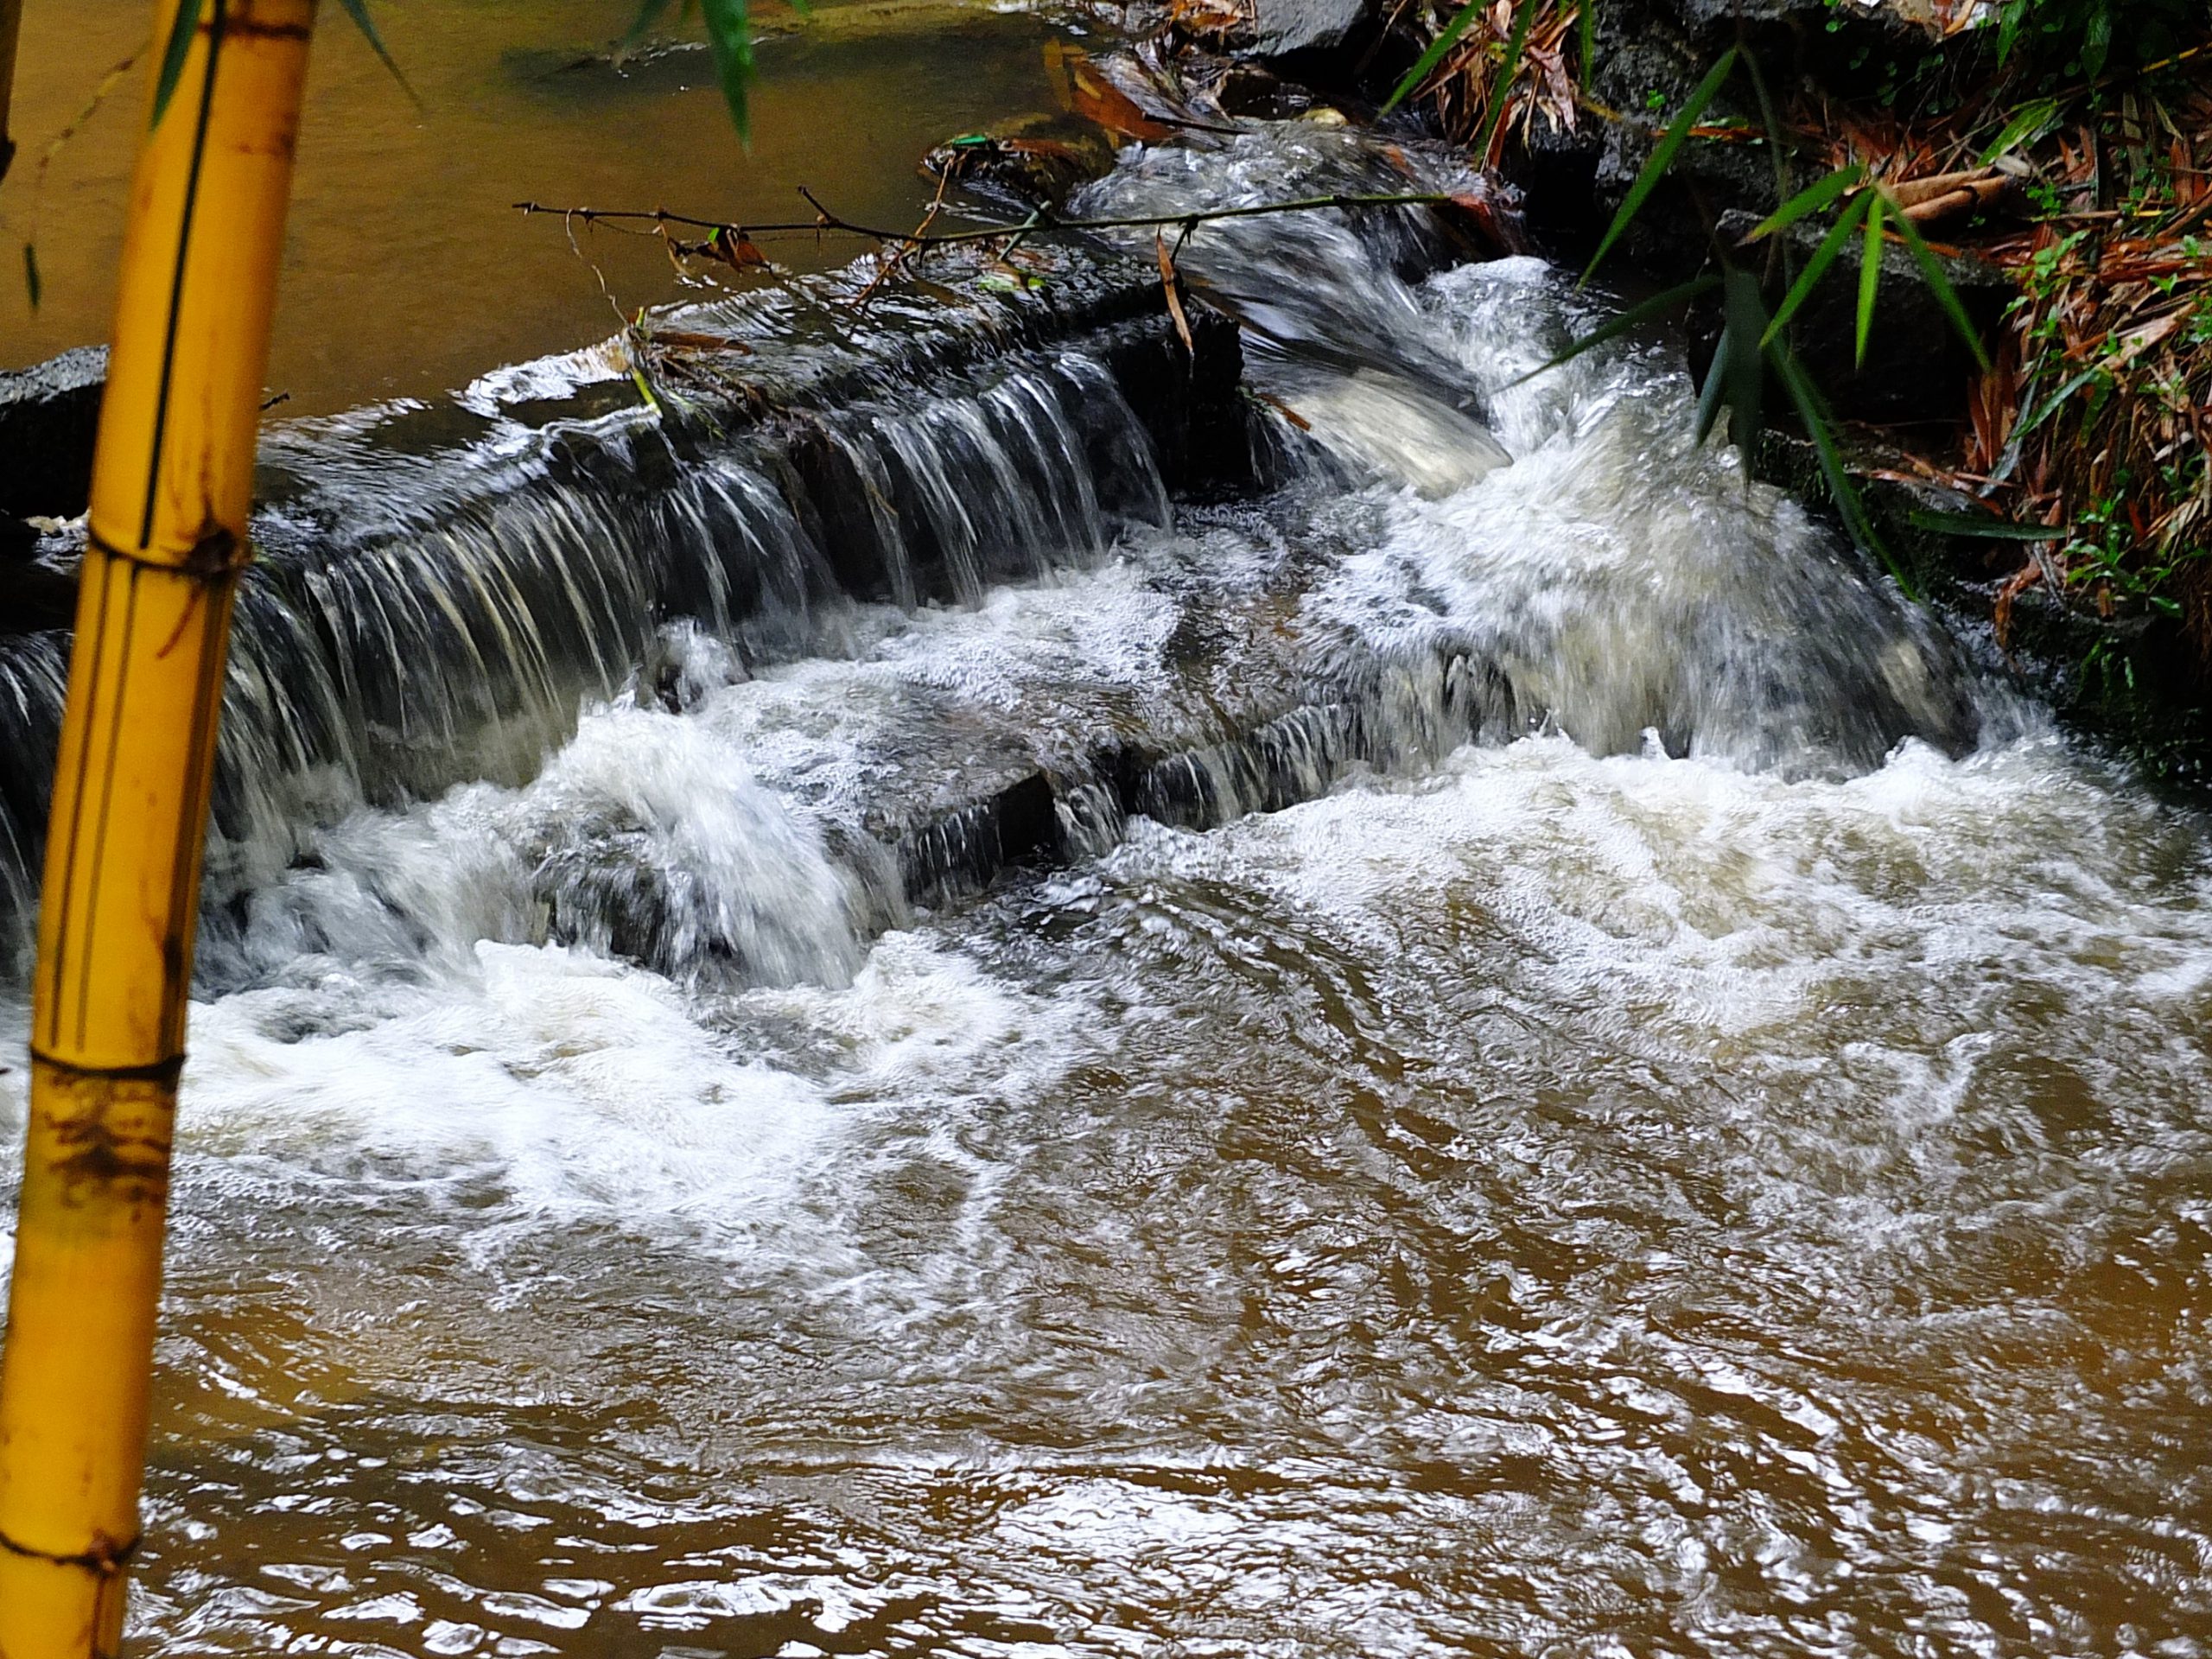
point(1714, 1166)
point(457, 641)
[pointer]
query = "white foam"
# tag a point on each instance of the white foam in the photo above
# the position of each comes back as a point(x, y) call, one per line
point(546, 1088)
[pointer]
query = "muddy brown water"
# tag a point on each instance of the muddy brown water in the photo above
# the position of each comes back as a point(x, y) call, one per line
point(406, 273)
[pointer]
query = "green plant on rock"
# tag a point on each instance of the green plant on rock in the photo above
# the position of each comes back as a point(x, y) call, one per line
point(2086, 37)
point(1758, 309)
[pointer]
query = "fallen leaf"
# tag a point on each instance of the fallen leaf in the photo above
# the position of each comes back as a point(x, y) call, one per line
point(1082, 91)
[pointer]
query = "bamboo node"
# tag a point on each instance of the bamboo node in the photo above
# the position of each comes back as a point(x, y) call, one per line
point(103, 1136)
point(104, 1558)
point(217, 554)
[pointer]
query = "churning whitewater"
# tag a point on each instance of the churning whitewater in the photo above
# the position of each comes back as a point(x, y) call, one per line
point(1486, 1044)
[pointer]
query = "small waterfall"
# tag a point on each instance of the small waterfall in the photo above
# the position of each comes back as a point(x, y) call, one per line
point(727, 702)
point(1562, 526)
point(458, 640)
point(33, 676)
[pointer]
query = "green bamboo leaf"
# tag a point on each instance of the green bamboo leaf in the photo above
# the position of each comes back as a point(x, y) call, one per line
point(2051, 405)
point(1932, 268)
point(1585, 30)
point(1662, 158)
point(1984, 529)
point(1813, 412)
point(1815, 268)
point(1501, 83)
point(1869, 275)
point(730, 38)
point(32, 285)
point(2035, 416)
point(649, 13)
point(1812, 199)
point(358, 11)
point(1636, 316)
point(2028, 124)
point(173, 56)
point(1462, 20)
point(1709, 399)
point(1744, 364)
point(1778, 143)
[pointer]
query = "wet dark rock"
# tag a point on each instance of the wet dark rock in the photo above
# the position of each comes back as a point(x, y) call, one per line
point(49, 415)
point(1191, 400)
point(1281, 27)
point(960, 851)
point(1805, 24)
point(841, 510)
point(1254, 91)
point(34, 596)
point(1030, 159)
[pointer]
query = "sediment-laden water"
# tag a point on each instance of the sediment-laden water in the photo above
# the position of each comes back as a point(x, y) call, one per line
point(1557, 1072)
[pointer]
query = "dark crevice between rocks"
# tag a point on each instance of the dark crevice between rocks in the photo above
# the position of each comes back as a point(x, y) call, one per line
point(1049, 818)
point(48, 416)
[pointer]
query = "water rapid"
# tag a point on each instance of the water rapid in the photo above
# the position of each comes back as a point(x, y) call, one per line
point(875, 1037)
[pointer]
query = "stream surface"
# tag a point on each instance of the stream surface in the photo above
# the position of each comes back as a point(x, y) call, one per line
point(1719, 1164)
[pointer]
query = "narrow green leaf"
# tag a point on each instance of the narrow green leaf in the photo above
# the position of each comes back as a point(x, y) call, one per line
point(2035, 416)
point(2051, 405)
point(1744, 364)
point(1501, 83)
point(730, 38)
point(358, 11)
point(1947, 296)
point(1709, 398)
point(1869, 275)
point(1814, 414)
point(1993, 529)
point(173, 56)
point(649, 13)
point(1662, 158)
point(1816, 267)
point(2028, 124)
point(1462, 20)
point(1771, 120)
point(1812, 199)
point(1585, 34)
point(32, 285)
point(1636, 316)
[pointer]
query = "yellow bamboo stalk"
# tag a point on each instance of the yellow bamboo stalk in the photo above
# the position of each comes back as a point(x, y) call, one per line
point(171, 485)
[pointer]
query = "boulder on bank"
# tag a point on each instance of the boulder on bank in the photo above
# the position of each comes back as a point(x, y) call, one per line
point(1281, 27)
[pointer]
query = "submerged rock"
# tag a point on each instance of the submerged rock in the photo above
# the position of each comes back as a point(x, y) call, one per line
point(1033, 158)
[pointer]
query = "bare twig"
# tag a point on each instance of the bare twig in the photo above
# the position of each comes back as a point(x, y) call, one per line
point(888, 264)
point(1039, 223)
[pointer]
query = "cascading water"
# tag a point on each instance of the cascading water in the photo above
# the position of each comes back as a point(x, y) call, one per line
point(1565, 1074)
